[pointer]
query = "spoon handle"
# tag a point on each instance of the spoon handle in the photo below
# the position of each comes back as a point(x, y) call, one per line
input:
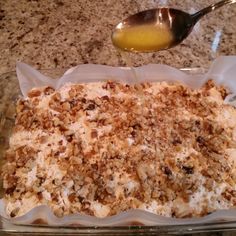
point(211, 8)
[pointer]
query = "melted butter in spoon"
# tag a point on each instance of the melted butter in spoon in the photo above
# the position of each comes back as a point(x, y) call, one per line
point(159, 28)
point(144, 38)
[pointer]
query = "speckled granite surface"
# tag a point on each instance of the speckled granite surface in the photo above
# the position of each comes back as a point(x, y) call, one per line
point(63, 33)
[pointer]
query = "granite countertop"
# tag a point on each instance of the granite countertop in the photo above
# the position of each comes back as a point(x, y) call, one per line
point(59, 33)
point(63, 33)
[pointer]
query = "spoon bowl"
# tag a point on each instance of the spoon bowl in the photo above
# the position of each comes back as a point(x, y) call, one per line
point(157, 29)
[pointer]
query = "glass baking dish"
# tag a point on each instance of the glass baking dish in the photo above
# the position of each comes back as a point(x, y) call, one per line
point(9, 92)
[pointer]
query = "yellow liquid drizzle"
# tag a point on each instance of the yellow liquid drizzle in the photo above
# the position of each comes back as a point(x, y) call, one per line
point(143, 38)
point(125, 56)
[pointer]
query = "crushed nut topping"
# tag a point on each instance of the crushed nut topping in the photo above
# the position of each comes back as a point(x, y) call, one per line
point(106, 147)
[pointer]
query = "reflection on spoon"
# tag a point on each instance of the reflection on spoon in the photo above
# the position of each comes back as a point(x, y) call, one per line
point(157, 29)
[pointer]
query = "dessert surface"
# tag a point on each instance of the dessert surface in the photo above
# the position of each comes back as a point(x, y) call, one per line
point(106, 147)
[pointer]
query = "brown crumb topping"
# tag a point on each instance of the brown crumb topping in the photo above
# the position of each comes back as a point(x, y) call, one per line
point(103, 148)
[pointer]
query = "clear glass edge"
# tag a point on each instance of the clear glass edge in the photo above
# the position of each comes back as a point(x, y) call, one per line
point(170, 229)
point(7, 227)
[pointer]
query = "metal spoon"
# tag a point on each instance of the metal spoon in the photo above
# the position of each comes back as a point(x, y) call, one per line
point(157, 29)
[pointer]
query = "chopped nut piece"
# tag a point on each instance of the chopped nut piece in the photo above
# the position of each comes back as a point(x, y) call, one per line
point(72, 197)
point(167, 170)
point(91, 106)
point(34, 93)
point(94, 133)
point(48, 90)
point(188, 169)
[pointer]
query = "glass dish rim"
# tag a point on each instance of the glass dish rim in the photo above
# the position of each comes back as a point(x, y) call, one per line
point(167, 229)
